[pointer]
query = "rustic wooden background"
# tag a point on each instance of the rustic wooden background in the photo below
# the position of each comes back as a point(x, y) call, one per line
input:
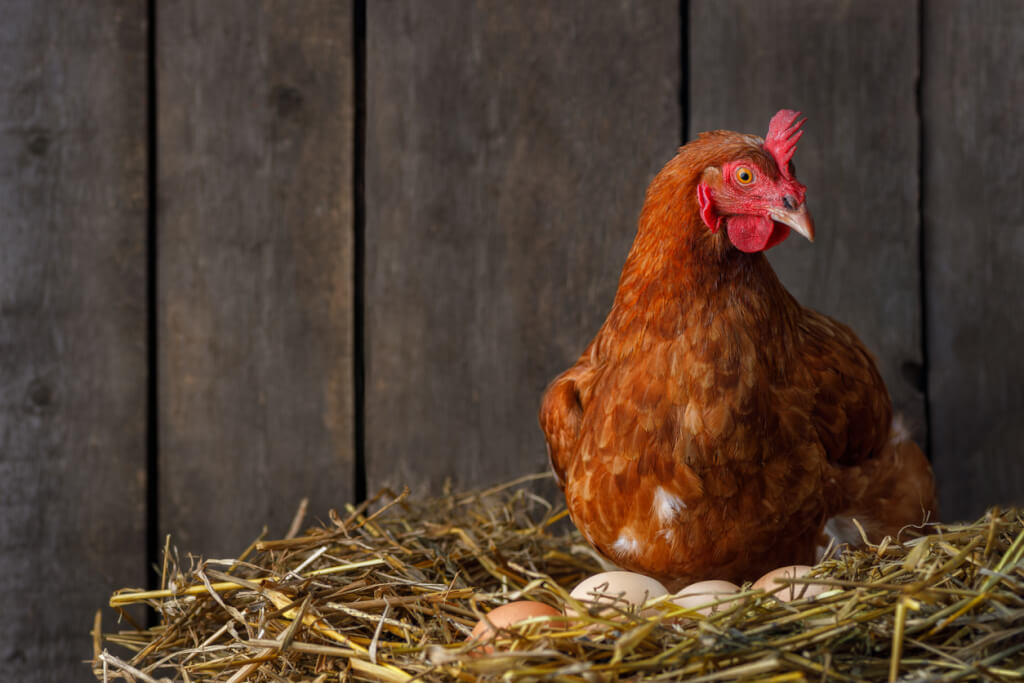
point(253, 252)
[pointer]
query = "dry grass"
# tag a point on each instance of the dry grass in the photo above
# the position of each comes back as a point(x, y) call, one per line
point(392, 596)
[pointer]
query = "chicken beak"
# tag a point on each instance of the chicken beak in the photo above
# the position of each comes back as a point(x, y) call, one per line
point(799, 219)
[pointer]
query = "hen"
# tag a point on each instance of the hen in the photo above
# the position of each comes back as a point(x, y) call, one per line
point(714, 427)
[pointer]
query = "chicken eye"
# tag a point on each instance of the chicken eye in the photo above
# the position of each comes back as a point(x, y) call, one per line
point(744, 176)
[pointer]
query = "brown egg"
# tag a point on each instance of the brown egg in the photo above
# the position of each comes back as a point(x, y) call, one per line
point(621, 591)
point(789, 592)
point(699, 594)
point(508, 615)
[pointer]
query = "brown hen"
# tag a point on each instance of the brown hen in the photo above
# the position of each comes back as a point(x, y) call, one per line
point(714, 427)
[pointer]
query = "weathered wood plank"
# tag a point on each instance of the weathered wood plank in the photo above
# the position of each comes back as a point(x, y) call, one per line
point(851, 68)
point(973, 114)
point(508, 149)
point(255, 266)
point(72, 325)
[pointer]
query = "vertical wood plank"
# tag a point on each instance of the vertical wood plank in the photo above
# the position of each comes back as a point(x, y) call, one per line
point(851, 67)
point(72, 325)
point(973, 111)
point(508, 149)
point(255, 266)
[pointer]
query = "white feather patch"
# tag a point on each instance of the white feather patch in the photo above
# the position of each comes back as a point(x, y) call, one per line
point(666, 505)
point(626, 545)
point(843, 530)
point(899, 431)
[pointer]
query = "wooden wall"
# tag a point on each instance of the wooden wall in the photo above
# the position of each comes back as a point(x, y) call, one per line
point(972, 123)
point(501, 197)
point(73, 369)
point(254, 266)
point(258, 252)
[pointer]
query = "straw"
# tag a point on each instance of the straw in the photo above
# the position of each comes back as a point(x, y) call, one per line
point(392, 590)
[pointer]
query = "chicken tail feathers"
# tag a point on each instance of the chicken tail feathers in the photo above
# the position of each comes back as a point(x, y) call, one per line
point(890, 492)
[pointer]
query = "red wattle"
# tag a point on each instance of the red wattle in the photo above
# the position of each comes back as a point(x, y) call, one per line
point(779, 233)
point(755, 233)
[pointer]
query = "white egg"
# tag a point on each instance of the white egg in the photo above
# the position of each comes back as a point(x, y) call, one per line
point(789, 592)
point(621, 591)
point(699, 595)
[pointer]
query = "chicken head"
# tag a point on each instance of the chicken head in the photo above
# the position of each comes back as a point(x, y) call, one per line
point(758, 197)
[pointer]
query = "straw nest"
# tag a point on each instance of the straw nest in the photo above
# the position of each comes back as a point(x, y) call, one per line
point(391, 590)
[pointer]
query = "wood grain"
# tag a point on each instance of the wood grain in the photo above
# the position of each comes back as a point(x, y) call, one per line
point(851, 67)
point(72, 325)
point(973, 113)
point(255, 266)
point(508, 149)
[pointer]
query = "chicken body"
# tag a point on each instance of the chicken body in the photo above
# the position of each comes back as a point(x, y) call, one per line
point(714, 426)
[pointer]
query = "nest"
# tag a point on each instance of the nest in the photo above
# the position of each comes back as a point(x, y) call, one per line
point(391, 590)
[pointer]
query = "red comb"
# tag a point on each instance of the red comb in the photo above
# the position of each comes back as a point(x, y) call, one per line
point(783, 134)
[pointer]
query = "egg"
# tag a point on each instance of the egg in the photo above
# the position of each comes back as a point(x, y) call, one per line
point(703, 592)
point(508, 615)
point(789, 592)
point(620, 590)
